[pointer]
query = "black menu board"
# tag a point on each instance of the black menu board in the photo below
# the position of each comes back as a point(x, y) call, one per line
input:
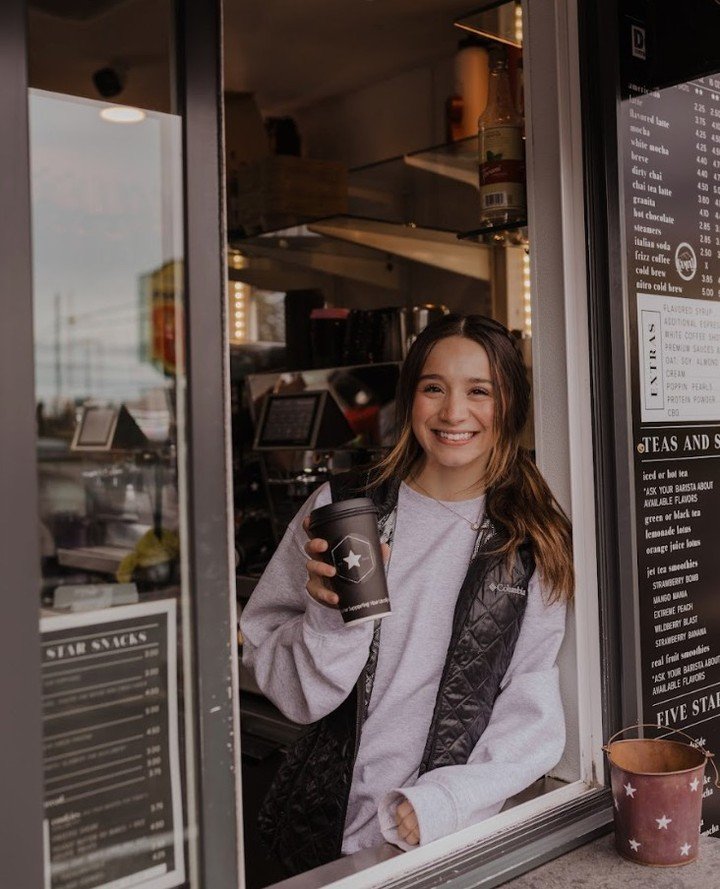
point(671, 182)
point(113, 816)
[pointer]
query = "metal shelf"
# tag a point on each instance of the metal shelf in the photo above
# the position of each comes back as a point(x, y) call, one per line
point(481, 235)
point(498, 20)
point(439, 249)
point(454, 160)
point(357, 248)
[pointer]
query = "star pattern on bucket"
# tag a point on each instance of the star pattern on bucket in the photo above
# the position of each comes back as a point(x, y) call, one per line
point(630, 790)
point(673, 810)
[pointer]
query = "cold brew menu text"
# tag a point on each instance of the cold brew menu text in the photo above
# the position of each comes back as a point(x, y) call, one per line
point(113, 817)
point(672, 232)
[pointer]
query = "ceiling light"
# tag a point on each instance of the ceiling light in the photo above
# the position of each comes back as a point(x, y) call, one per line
point(122, 114)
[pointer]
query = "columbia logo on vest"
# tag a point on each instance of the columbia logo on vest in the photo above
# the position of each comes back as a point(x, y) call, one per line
point(506, 588)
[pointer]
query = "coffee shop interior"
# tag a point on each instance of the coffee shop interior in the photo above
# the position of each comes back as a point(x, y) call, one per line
point(355, 217)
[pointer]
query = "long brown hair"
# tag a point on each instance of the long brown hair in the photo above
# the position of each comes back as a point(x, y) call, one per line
point(519, 500)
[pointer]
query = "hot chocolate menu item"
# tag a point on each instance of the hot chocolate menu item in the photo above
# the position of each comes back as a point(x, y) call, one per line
point(671, 172)
point(113, 814)
point(350, 529)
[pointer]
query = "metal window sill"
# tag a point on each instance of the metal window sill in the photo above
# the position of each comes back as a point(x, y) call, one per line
point(491, 862)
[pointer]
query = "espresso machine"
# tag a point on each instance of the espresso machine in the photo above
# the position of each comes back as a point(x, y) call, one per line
point(310, 424)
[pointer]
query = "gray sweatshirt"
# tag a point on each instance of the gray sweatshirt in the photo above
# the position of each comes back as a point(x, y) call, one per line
point(307, 662)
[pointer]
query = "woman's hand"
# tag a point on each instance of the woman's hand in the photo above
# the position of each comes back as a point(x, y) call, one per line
point(407, 823)
point(319, 572)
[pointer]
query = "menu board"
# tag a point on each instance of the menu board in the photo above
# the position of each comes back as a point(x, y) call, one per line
point(113, 815)
point(671, 173)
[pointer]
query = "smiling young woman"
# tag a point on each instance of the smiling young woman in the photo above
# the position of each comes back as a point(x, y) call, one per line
point(479, 571)
point(521, 500)
point(453, 419)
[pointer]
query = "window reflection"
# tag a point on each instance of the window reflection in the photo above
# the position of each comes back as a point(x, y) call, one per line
point(107, 296)
point(108, 270)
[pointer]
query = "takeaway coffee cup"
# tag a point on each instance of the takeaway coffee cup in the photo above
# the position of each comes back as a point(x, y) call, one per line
point(350, 528)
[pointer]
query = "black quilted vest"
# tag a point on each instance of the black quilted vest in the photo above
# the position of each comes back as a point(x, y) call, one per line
point(303, 816)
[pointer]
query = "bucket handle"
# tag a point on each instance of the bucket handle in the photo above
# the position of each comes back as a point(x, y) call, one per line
point(709, 757)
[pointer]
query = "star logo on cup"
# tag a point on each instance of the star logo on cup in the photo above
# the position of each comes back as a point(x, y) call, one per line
point(685, 849)
point(630, 790)
point(353, 558)
point(694, 784)
point(663, 822)
point(634, 845)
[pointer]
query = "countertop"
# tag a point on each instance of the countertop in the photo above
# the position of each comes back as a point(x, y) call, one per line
point(597, 865)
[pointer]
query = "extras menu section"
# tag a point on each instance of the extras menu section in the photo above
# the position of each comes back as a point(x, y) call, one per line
point(113, 816)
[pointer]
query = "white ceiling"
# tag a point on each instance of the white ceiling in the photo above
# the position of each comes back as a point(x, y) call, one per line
point(292, 53)
point(67, 44)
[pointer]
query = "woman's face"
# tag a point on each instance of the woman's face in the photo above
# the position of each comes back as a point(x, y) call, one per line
point(454, 406)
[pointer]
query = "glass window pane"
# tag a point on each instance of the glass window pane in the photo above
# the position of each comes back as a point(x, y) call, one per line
point(106, 160)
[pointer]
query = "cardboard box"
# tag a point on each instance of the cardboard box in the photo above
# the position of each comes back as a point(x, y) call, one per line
point(282, 191)
point(245, 138)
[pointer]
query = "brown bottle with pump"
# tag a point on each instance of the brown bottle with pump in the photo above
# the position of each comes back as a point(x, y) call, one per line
point(501, 151)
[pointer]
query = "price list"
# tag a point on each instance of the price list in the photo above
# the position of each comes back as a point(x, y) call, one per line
point(671, 173)
point(113, 814)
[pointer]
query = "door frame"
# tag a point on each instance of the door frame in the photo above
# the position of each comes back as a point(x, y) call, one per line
point(209, 464)
point(214, 785)
point(21, 846)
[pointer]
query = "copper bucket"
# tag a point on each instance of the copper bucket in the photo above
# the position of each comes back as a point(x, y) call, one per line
point(657, 788)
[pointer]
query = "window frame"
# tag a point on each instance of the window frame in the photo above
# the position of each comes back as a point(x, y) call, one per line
point(213, 786)
point(568, 434)
point(21, 846)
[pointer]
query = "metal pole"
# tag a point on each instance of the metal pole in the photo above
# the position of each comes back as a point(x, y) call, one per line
point(58, 368)
point(208, 444)
point(21, 812)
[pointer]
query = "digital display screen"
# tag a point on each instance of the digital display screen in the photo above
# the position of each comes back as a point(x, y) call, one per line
point(96, 427)
point(289, 420)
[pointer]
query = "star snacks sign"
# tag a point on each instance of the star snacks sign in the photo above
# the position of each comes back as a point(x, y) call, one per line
point(353, 558)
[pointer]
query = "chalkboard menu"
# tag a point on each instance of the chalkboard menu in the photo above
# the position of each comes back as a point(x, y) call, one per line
point(671, 173)
point(113, 816)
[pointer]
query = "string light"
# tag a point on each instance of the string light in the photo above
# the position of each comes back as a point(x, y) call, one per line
point(527, 295)
point(518, 22)
point(239, 298)
point(237, 259)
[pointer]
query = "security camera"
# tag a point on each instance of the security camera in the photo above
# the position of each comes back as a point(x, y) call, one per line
point(109, 82)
